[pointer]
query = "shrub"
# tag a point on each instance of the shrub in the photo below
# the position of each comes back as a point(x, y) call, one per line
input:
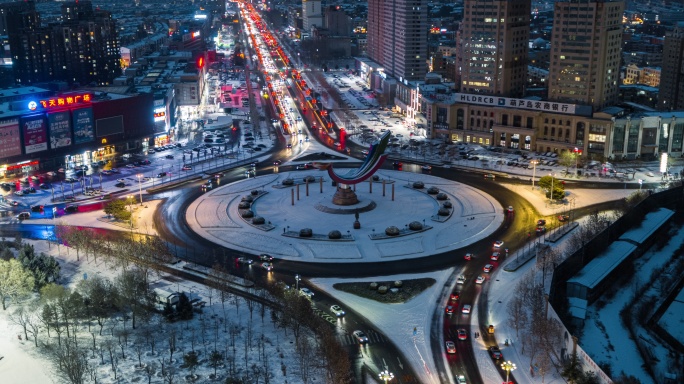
point(441, 196)
point(258, 220)
point(373, 286)
point(376, 178)
point(398, 283)
point(443, 212)
point(244, 205)
point(254, 192)
point(392, 231)
point(382, 289)
point(248, 199)
point(433, 190)
point(309, 179)
point(305, 232)
point(415, 226)
point(247, 214)
point(447, 204)
point(418, 185)
point(288, 182)
point(334, 234)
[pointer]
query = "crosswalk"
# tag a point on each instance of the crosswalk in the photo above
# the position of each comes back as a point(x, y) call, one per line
point(349, 339)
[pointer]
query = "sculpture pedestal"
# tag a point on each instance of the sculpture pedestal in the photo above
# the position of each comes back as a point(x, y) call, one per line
point(357, 225)
point(344, 196)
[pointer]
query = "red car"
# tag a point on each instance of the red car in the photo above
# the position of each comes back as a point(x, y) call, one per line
point(454, 296)
point(469, 256)
point(462, 334)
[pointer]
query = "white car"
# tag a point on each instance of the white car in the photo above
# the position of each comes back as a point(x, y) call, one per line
point(510, 209)
point(498, 244)
point(466, 309)
point(121, 180)
point(360, 337)
point(461, 280)
point(306, 292)
point(480, 279)
point(267, 266)
point(461, 379)
point(337, 310)
point(488, 268)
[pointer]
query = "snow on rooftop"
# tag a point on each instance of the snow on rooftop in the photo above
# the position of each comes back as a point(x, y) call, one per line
point(594, 272)
point(651, 223)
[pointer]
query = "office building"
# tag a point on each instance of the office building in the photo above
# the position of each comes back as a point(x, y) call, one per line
point(397, 37)
point(493, 47)
point(312, 14)
point(671, 95)
point(585, 52)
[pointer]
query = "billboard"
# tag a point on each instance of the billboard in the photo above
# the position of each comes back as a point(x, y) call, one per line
point(83, 125)
point(10, 139)
point(109, 126)
point(34, 130)
point(60, 129)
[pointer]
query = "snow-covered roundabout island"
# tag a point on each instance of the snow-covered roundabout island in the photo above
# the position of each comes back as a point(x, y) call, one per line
point(291, 216)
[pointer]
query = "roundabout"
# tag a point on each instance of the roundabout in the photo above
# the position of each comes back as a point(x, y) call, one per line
point(291, 216)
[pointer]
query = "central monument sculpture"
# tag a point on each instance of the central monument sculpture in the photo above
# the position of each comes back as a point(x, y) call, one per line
point(376, 156)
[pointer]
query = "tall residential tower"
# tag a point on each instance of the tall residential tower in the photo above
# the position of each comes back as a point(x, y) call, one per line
point(585, 52)
point(671, 93)
point(494, 45)
point(397, 37)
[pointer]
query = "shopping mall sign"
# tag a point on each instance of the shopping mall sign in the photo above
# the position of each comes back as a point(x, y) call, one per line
point(536, 105)
point(71, 100)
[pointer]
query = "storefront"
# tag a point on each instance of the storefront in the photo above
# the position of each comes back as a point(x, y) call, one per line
point(23, 168)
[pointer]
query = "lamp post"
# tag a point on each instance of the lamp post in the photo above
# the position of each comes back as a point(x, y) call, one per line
point(297, 278)
point(386, 376)
point(508, 367)
point(534, 170)
point(140, 176)
point(577, 152)
point(551, 194)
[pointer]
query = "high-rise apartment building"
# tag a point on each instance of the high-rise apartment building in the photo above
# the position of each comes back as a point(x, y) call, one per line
point(671, 92)
point(83, 48)
point(586, 46)
point(312, 14)
point(493, 46)
point(397, 37)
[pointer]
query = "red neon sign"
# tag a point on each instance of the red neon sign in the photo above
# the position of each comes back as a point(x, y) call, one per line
point(58, 102)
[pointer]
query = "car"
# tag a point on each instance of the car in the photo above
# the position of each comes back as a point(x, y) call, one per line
point(130, 166)
point(449, 310)
point(498, 244)
point(121, 180)
point(454, 296)
point(306, 292)
point(24, 216)
point(461, 280)
point(106, 196)
point(450, 347)
point(289, 146)
point(489, 176)
point(540, 230)
point(541, 222)
point(426, 168)
point(19, 193)
point(365, 152)
point(265, 257)
point(244, 260)
point(509, 209)
point(70, 198)
point(469, 256)
point(360, 336)
point(120, 185)
point(495, 256)
point(397, 164)
point(29, 190)
point(461, 379)
point(45, 186)
point(186, 168)
point(466, 309)
point(480, 279)
point(462, 334)
point(161, 174)
point(495, 352)
point(267, 266)
point(114, 170)
point(13, 203)
point(207, 185)
point(277, 162)
point(563, 217)
point(337, 310)
point(170, 157)
point(487, 268)
point(71, 208)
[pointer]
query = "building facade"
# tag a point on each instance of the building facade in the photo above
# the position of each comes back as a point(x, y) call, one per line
point(585, 52)
point(671, 95)
point(402, 53)
point(493, 47)
point(312, 14)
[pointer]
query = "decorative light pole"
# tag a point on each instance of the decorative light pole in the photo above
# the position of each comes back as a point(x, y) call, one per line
point(297, 278)
point(508, 367)
point(534, 170)
point(577, 153)
point(551, 194)
point(140, 176)
point(386, 376)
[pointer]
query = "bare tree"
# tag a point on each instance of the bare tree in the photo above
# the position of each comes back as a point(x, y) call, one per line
point(171, 340)
point(71, 362)
point(517, 314)
point(150, 370)
point(20, 317)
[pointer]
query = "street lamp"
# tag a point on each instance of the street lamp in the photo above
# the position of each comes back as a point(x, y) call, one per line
point(551, 194)
point(577, 152)
point(508, 367)
point(297, 278)
point(534, 170)
point(140, 176)
point(386, 376)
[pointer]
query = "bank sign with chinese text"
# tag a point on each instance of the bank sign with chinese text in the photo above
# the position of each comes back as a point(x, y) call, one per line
point(75, 100)
point(535, 105)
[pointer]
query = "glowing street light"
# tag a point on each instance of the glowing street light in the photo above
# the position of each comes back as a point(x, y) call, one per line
point(508, 367)
point(297, 278)
point(140, 176)
point(534, 170)
point(386, 376)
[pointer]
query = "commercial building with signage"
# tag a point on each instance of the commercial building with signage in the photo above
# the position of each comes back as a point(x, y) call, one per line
point(71, 129)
